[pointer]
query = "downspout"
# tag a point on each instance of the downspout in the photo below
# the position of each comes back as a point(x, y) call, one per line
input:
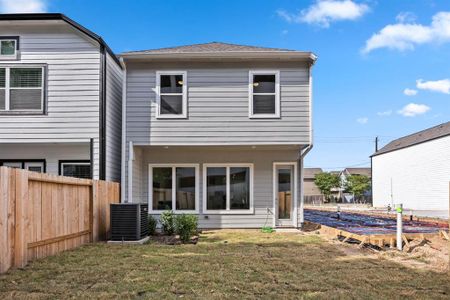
point(305, 151)
point(300, 176)
point(124, 133)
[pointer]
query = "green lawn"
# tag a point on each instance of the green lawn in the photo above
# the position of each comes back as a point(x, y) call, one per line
point(225, 264)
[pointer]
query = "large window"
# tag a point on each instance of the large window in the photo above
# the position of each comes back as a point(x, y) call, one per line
point(228, 188)
point(173, 187)
point(264, 98)
point(21, 89)
point(171, 94)
point(8, 48)
point(75, 168)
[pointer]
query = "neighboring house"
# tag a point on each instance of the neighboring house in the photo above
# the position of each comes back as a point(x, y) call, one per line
point(344, 174)
point(218, 130)
point(414, 170)
point(60, 98)
point(309, 187)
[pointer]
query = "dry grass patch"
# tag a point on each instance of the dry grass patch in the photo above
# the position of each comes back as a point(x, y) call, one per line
point(224, 264)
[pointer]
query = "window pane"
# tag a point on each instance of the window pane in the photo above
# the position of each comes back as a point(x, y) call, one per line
point(162, 188)
point(185, 188)
point(2, 99)
point(2, 77)
point(25, 99)
point(171, 84)
point(171, 105)
point(240, 188)
point(263, 83)
point(8, 47)
point(35, 169)
point(216, 188)
point(26, 77)
point(263, 104)
point(79, 171)
point(17, 165)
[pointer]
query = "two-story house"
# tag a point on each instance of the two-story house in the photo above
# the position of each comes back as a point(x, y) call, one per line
point(219, 130)
point(60, 98)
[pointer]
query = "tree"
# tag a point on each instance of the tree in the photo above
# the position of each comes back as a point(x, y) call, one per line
point(326, 181)
point(357, 184)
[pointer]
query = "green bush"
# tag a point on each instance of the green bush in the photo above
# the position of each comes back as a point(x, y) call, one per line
point(152, 222)
point(167, 222)
point(186, 226)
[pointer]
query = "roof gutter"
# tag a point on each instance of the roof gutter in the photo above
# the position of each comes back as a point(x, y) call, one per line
point(240, 55)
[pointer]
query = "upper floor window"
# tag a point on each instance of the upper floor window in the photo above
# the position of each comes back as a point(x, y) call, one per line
point(264, 89)
point(171, 94)
point(8, 47)
point(21, 89)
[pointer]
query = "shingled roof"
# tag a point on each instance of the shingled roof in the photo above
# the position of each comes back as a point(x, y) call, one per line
point(310, 173)
point(416, 138)
point(210, 48)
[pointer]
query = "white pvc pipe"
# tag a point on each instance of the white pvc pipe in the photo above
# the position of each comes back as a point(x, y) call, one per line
point(399, 226)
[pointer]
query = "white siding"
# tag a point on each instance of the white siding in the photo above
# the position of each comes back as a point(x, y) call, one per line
point(50, 152)
point(218, 106)
point(263, 178)
point(420, 176)
point(114, 77)
point(72, 94)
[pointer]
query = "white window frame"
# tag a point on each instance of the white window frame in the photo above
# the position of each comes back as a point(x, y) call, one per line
point(174, 189)
point(183, 94)
point(73, 164)
point(10, 56)
point(34, 164)
point(227, 210)
point(8, 88)
point(251, 115)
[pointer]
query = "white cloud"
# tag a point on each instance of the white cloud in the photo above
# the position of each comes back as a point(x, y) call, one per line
point(410, 92)
point(284, 32)
point(384, 113)
point(406, 17)
point(407, 34)
point(413, 109)
point(362, 120)
point(440, 86)
point(23, 6)
point(323, 12)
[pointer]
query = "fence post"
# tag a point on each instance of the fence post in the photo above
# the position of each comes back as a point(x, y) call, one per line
point(22, 221)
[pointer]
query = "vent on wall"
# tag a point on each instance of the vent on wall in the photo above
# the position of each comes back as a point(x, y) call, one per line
point(129, 221)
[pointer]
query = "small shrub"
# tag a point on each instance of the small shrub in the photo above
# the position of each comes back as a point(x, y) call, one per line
point(167, 222)
point(152, 222)
point(186, 226)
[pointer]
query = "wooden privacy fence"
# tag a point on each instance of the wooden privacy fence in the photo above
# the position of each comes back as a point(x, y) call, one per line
point(42, 214)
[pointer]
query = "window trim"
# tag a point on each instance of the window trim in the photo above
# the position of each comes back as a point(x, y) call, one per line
point(228, 211)
point(23, 162)
point(16, 40)
point(158, 95)
point(251, 115)
point(174, 198)
point(8, 88)
point(83, 162)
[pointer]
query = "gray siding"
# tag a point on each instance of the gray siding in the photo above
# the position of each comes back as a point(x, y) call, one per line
point(72, 94)
point(114, 76)
point(263, 178)
point(218, 100)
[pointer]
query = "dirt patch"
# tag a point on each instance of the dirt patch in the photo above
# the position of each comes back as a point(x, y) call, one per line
point(172, 239)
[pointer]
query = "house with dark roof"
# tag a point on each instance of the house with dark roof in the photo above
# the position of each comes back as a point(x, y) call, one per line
point(219, 130)
point(309, 187)
point(415, 171)
point(60, 98)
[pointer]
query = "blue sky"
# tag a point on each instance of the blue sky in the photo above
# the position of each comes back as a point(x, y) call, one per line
point(369, 53)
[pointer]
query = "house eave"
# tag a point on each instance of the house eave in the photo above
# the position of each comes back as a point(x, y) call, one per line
point(221, 56)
